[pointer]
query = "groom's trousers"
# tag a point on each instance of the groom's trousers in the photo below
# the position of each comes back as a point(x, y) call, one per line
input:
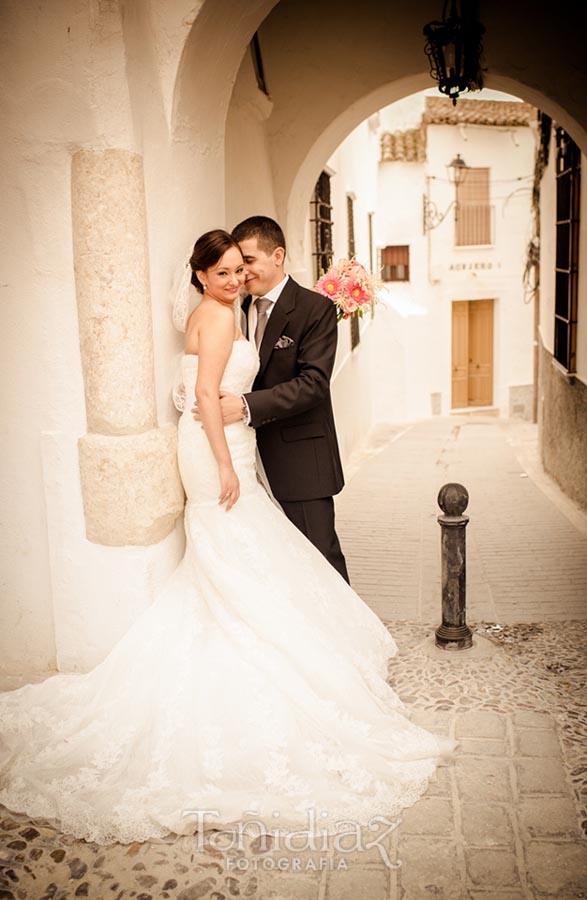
point(315, 519)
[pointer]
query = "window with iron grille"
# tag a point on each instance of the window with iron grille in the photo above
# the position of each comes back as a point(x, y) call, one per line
point(350, 218)
point(395, 263)
point(321, 218)
point(568, 186)
point(472, 210)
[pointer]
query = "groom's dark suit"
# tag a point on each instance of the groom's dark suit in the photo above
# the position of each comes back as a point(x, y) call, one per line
point(291, 409)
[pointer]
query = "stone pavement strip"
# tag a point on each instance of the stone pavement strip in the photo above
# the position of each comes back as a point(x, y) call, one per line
point(507, 819)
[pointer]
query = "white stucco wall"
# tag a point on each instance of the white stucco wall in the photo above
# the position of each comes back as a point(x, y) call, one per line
point(354, 172)
point(412, 311)
point(74, 93)
point(249, 182)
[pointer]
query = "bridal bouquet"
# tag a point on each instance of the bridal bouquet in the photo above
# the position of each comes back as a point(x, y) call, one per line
point(350, 287)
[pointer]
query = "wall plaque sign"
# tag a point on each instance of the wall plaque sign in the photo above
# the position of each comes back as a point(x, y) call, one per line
point(470, 266)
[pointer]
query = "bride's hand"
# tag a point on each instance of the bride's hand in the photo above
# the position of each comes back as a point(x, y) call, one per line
point(229, 487)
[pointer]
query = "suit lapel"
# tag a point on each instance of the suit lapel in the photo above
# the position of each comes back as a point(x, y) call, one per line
point(278, 319)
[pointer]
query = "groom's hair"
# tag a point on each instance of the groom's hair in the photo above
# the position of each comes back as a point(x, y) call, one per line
point(267, 232)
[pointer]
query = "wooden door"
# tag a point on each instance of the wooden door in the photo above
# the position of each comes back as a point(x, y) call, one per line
point(460, 354)
point(472, 353)
point(481, 353)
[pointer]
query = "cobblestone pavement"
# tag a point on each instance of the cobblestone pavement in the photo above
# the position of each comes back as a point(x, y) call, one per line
point(507, 820)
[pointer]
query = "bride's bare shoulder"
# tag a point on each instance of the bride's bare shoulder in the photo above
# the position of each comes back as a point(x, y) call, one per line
point(210, 315)
point(208, 319)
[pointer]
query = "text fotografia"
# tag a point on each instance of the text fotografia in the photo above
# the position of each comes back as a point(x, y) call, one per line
point(286, 863)
point(348, 837)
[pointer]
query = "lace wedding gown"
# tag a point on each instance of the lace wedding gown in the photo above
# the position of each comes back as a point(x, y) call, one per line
point(255, 684)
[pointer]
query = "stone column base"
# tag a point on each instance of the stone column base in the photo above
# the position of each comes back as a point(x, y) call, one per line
point(131, 487)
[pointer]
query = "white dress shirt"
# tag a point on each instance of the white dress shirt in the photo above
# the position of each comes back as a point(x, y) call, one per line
point(273, 295)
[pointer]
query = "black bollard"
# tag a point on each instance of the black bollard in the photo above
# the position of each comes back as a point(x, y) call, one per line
point(454, 633)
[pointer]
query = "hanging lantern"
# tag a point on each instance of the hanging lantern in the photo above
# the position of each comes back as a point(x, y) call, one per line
point(454, 48)
point(432, 218)
point(457, 170)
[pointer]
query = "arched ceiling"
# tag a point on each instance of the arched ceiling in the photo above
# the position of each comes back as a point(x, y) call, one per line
point(330, 64)
point(210, 59)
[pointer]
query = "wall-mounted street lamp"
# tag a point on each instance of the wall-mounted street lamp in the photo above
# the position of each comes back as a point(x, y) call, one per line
point(454, 48)
point(431, 217)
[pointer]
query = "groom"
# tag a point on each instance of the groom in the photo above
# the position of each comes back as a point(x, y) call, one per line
point(296, 332)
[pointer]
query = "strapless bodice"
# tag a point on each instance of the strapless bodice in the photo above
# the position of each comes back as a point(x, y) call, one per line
point(239, 373)
point(197, 465)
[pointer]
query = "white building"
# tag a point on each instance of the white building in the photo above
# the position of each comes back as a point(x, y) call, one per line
point(453, 256)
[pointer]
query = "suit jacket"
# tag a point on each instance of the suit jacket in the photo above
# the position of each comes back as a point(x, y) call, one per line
point(290, 401)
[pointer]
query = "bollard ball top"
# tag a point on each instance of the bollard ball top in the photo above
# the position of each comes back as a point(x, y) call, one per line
point(453, 499)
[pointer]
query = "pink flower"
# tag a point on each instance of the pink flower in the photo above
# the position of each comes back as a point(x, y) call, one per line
point(358, 292)
point(330, 285)
point(350, 305)
point(349, 286)
point(358, 271)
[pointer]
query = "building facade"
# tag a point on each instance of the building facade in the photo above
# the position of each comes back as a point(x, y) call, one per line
point(454, 255)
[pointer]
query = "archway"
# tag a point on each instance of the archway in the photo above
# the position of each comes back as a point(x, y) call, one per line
point(327, 71)
point(294, 210)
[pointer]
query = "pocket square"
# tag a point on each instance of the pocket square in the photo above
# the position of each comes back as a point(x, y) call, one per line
point(283, 342)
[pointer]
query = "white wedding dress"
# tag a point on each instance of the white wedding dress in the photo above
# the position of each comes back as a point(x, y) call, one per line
point(253, 686)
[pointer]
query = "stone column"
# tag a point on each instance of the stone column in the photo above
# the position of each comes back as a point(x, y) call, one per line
point(131, 488)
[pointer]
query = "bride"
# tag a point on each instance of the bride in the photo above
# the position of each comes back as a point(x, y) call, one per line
point(255, 683)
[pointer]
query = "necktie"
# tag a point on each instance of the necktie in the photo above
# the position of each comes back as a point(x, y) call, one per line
point(262, 304)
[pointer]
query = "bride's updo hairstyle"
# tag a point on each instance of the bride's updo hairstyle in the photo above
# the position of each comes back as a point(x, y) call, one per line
point(208, 249)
